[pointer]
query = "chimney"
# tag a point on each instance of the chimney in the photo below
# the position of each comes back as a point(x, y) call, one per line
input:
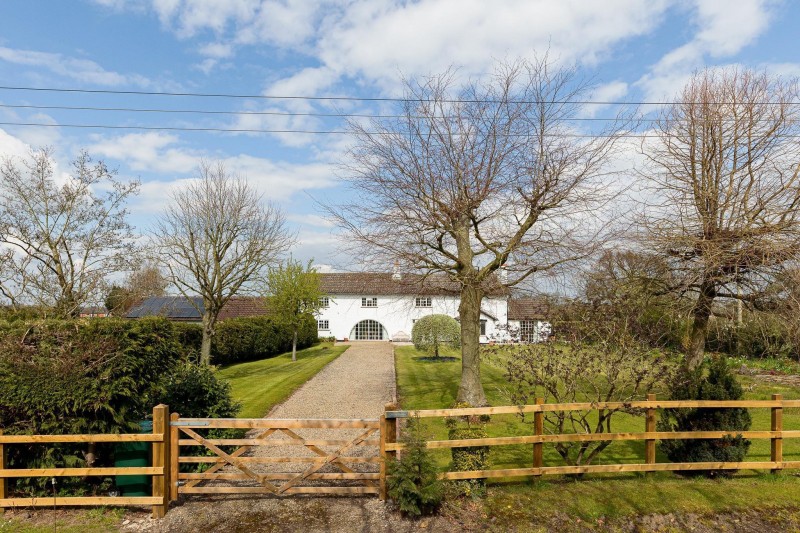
point(503, 275)
point(396, 276)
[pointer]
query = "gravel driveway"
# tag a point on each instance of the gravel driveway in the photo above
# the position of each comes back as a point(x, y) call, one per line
point(356, 385)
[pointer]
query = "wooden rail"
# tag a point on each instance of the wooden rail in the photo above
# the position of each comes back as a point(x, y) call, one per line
point(648, 407)
point(159, 473)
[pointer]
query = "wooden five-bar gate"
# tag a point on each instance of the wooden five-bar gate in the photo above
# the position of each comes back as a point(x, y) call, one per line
point(283, 457)
point(333, 456)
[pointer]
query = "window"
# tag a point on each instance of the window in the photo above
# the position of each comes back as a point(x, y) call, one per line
point(369, 302)
point(527, 330)
point(483, 327)
point(323, 325)
point(422, 301)
point(324, 302)
point(368, 330)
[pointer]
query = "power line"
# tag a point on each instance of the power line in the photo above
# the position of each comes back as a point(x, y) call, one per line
point(354, 98)
point(292, 113)
point(265, 113)
point(314, 132)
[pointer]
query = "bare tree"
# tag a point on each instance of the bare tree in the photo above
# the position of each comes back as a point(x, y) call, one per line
point(146, 281)
point(216, 238)
point(62, 240)
point(473, 177)
point(725, 183)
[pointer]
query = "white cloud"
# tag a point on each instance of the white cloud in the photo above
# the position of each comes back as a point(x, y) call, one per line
point(372, 41)
point(150, 152)
point(723, 29)
point(83, 70)
point(609, 92)
point(162, 153)
point(11, 146)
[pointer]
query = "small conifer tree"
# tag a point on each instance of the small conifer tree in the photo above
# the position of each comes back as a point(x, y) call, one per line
point(713, 381)
point(413, 483)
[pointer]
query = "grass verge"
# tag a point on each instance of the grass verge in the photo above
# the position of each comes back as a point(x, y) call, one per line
point(260, 385)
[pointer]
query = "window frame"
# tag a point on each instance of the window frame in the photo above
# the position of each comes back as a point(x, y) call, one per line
point(419, 302)
point(369, 301)
point(323, 322)
point(324, 302)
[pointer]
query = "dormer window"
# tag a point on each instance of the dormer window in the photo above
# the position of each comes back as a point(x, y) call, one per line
point(422, 301)
point(369, 302)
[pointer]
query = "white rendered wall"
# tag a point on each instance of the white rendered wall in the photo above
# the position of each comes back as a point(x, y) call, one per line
point(397, 313)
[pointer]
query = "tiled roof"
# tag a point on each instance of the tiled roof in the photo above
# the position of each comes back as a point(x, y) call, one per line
point(526, 309)
point(387, 284)
point(240, 306)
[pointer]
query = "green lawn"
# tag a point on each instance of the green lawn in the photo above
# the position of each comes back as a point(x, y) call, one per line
point(426, 385)
point(260, 385)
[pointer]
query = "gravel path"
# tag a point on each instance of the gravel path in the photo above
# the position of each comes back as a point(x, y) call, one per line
point(356, 385)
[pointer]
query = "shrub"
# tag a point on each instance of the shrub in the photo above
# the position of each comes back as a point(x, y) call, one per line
point(195, 391)
point(471, 458)
point(577, 372)
point(713, 381)
point(412, 481)
point(260, 337)
point(432, 332)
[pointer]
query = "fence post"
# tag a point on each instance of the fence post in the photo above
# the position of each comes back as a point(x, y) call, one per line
point(161, 458)
point(388, 435)
point(3, 481)
point(538, 429)
point(174, 452)
point(650, 427)
point(776, 448)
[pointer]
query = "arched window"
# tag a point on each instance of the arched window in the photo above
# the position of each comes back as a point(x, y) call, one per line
point(369, 330)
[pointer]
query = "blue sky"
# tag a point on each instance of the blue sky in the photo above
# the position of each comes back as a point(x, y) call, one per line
point(634, 50)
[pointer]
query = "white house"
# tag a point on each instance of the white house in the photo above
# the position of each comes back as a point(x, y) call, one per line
point(384, 306)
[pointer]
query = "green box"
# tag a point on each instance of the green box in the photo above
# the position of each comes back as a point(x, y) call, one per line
point(128, 454)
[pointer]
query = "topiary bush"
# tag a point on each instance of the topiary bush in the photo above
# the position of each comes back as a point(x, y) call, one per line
point(712, 381)
point(412, 480)
point(432, 332)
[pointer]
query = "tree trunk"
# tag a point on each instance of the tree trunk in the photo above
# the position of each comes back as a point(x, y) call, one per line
point(208, 333)
point(294, 346)
point(471, 389)
point(700, 315)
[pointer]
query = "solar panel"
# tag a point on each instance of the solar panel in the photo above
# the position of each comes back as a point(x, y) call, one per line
point(174, 307)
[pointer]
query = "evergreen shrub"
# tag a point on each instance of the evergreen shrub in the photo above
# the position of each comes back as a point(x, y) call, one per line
point(471, 458)
point(712, 381)
point(413, 483)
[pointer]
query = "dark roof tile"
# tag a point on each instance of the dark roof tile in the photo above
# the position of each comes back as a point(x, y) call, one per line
point(526, 309)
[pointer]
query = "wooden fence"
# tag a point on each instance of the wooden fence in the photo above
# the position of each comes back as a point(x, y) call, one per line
point(170, 433)
point(776, 434)
point(158, 470)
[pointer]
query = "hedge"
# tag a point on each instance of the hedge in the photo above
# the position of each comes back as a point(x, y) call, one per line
point(250, 338)
point(94, 376)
